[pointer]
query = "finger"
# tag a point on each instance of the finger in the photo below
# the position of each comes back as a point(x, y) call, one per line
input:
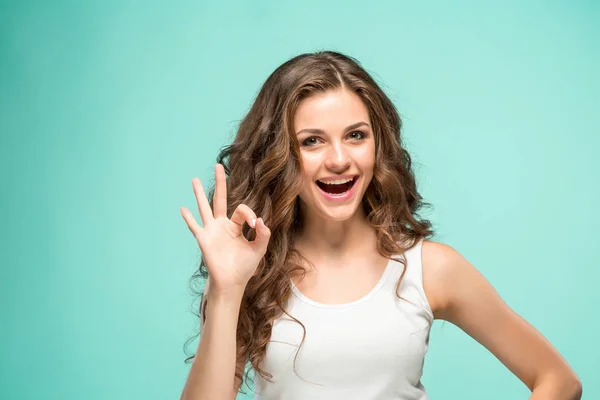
point(190, 221)
point(220, 197)
point(242, 214)
point(203, 205)
point(263, 234)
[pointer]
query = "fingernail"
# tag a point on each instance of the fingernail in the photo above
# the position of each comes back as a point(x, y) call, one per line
point(262, 223)
point(253, 223)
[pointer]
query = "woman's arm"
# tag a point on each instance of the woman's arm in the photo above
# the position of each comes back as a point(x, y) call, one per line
point(471, 303)
point(213, 368)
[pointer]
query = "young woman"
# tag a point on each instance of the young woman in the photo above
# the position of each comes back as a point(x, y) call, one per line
point(318, 272)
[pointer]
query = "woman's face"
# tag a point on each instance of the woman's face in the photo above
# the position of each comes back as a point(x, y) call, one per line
point(337, 146)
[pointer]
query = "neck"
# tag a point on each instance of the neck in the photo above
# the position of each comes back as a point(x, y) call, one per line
point(323, 239)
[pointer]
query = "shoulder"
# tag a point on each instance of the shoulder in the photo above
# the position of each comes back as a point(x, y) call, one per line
point(445, 270)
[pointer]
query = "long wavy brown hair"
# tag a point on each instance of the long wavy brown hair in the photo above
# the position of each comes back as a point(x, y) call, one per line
point(263, 166)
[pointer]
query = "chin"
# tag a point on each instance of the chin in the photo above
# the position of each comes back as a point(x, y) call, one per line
point(339, 215)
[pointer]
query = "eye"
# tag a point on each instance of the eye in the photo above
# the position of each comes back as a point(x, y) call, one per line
point(361, 135)
point(311, 141)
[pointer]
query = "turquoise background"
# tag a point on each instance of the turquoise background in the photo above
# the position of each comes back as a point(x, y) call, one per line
point(109, 109)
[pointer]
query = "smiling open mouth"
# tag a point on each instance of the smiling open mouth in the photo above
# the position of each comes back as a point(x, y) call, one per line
point(334, 188)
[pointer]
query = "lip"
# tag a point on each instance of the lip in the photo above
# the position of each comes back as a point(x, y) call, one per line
point(338, 177)
point(345, 196)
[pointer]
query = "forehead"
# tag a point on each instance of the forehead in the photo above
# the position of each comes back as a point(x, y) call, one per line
point(330, 111)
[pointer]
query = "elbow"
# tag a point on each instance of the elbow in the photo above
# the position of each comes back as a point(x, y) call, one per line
point(564, 386)
point(577, 389)
point(572, 388)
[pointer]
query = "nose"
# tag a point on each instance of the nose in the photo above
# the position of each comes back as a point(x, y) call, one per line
point(337, 158)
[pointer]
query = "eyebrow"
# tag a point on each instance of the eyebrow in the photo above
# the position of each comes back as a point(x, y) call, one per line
point(321, 132)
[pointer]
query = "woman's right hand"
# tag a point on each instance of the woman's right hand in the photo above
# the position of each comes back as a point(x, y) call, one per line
point(230, 258)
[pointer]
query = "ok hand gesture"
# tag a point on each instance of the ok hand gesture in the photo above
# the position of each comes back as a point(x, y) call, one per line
point(230, 258)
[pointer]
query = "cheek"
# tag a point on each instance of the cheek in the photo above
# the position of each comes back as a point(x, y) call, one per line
point(310, 163)
point(366, 155)
point(306, 173)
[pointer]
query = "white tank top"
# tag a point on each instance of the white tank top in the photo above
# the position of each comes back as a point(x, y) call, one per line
point(369, 349)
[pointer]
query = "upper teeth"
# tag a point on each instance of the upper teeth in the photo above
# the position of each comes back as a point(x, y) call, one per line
point(336, 182)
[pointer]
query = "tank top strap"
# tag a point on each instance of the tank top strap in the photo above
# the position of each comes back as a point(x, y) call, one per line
point(411, 286)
